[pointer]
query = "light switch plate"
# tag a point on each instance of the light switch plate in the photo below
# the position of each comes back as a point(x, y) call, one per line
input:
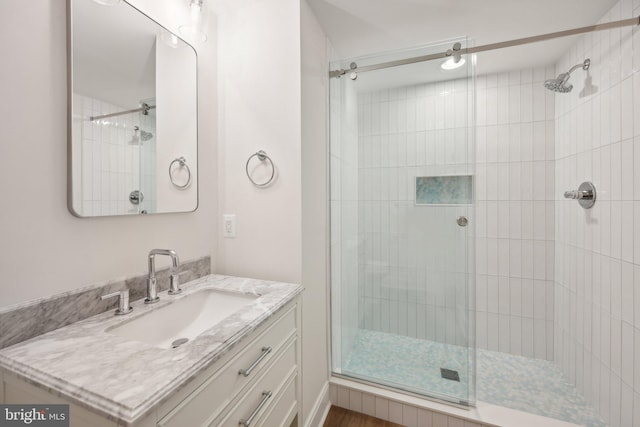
point(229, 225)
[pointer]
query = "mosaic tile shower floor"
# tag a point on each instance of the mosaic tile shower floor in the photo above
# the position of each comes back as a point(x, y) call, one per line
point(535, 386)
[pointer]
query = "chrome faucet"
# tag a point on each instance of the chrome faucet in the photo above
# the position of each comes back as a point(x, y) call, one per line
point(174, 281)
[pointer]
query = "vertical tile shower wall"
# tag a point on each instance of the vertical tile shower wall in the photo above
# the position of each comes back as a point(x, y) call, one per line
point(597, 280)
point(515, 221)
point(113, 162)
point(412, 275)
point(421, 131)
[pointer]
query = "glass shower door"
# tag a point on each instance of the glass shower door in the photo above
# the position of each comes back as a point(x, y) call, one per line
point(401, 225)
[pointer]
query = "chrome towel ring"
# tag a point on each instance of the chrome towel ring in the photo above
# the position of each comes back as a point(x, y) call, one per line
point(262, 156)
point(182, 164)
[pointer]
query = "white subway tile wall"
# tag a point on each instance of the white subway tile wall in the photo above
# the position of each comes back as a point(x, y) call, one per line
point(411, 277)
point(597, 277)
point(113, 163)
point(515, 213)
point(412, 258)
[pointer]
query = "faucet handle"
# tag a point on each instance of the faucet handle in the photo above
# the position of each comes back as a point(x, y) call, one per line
point(123, 301)
point(174, 284)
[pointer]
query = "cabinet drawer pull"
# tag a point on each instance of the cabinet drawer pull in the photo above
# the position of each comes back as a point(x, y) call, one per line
point(266, 395)
point(247, 372)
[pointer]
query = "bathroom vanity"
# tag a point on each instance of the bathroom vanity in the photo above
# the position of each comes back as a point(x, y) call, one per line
point(243, 370)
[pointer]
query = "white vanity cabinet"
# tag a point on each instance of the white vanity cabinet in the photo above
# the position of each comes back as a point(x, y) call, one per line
point(226, 396)
point(257, 382)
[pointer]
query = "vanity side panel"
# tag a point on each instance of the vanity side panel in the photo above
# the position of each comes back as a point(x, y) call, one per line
point(17, 391)
point(298, 380)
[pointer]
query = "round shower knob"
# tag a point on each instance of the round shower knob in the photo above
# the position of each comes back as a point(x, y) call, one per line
point(585, 195)
point(136, 197)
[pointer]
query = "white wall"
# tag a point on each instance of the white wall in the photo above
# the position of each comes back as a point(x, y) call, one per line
point(315, 212)
point(597, 280)
point(259, 101)
point(45, 250)
point(273, 67)
point(177, 128)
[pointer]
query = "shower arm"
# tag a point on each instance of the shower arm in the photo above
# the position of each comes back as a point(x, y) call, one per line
point(575, 67)
point(487, 47)
point(144, 110)
point(585, 66)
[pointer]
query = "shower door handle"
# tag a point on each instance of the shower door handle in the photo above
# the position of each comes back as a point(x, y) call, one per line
point(462, 221)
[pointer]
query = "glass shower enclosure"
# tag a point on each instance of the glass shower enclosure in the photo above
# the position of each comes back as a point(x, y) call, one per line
point(402, 205)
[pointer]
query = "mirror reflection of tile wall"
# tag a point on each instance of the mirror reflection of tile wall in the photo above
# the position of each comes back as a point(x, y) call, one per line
point(116, 159)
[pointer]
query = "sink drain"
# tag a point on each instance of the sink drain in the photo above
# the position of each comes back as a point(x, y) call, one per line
point(177, 343)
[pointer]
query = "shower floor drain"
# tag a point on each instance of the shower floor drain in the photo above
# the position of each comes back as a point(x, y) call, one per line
point(449, 374)
point(177, 343)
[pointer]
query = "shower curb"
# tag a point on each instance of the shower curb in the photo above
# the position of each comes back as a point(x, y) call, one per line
point(413, 411)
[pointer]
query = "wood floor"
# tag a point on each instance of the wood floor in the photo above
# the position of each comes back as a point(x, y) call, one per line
point(339, 417)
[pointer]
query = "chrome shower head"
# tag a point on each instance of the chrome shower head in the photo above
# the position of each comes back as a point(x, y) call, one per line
point(560, 84)
point(141, 137)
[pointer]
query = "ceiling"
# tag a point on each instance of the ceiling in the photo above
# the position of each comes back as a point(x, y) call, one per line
point(364, 27)
point(106, 38)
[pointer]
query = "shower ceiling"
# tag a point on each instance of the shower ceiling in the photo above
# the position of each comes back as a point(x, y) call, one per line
point(361, 27)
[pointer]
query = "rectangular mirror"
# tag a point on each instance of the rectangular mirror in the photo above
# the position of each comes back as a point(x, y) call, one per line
point(133, 140)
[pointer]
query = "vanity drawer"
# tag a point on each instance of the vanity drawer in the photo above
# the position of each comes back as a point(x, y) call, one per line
point(212, 397)
point(285, 407)
point(273, 381)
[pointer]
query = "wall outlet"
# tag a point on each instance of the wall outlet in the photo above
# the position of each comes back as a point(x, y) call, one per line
point(229, 225)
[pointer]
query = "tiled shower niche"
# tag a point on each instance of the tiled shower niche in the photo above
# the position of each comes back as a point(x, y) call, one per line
point(444, 190)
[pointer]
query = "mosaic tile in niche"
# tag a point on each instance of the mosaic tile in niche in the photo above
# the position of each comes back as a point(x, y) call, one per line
point(444, 190)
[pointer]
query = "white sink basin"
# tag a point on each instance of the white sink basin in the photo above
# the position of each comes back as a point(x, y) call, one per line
point(184, 318)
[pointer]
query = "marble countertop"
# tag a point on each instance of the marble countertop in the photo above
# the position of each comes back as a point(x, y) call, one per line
point(125, 380)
